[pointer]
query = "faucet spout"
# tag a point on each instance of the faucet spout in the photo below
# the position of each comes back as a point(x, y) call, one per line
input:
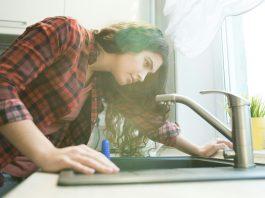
point(207, 116)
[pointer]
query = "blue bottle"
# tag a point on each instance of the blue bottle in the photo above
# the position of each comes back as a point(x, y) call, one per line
point(105, 148)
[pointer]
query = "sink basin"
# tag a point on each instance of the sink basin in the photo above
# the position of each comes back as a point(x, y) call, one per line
point(135, 170)
point(140, 163)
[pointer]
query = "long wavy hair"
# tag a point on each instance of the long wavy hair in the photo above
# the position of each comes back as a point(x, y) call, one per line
point(125, 136)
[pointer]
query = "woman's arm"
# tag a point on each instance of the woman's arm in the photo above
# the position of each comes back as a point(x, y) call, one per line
point(27, 138)
point(30, 141)
point(186, 146)
point(169, 135)
point(204, 151)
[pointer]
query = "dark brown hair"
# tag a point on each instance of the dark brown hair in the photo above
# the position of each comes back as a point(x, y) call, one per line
point(139, 97)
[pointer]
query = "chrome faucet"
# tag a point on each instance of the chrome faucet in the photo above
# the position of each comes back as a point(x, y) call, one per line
point(240, 134)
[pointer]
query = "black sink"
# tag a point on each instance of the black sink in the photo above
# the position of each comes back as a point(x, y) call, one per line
point(140, 163)
point(139, 170)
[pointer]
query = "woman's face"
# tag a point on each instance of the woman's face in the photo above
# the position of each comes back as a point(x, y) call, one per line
point(134, 67)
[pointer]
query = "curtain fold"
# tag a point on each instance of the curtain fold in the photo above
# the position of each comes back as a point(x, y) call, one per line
point(194, 23)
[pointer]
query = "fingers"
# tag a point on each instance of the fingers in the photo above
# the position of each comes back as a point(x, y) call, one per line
point(87, 157)
point(102, 159)
point(78, 167)
point(220, 146)
point(227, 143)
point(212, 149)
point(94, 164)
point(217, 147)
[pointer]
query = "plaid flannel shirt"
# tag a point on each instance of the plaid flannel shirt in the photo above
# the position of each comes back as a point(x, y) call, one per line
point(41, 75)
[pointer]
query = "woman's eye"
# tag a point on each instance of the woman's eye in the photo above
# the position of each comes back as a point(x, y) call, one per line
point(146, 63)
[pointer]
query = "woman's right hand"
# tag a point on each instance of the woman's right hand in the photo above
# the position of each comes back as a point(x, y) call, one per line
point(79, 158)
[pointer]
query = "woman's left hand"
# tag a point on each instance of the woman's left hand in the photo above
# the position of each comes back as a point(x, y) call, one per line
point(211, 149)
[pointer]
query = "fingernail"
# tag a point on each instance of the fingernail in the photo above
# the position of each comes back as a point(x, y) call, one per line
point(116, 169)
point(91, 171)
point(109, 169)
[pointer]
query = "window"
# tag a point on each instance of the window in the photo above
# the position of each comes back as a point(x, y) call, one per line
point(254, 40)
point(243, 48)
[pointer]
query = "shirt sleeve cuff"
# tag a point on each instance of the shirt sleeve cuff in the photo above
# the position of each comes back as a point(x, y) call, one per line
point(167, 134)
point(12, 110)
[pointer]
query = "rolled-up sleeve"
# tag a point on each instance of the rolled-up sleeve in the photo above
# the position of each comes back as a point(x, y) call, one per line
point(32, 52)
point(167, 134)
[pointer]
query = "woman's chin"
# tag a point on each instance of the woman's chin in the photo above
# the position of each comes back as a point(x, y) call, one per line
point(124, 82)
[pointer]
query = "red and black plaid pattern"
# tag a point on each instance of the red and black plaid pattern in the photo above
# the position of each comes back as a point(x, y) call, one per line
point(41, 76)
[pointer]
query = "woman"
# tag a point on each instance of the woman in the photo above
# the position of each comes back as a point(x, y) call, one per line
point(54, 80)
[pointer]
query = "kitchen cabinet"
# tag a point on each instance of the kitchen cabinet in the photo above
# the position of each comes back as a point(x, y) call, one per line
point(16, 15)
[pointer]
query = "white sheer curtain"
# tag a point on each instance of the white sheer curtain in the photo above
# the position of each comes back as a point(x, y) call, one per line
point(194, 23)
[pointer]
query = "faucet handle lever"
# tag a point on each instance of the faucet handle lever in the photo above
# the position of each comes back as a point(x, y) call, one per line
point(233, 99)
point(228, 153)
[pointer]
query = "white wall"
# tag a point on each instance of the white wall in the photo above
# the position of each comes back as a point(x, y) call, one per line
point(204, 72)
